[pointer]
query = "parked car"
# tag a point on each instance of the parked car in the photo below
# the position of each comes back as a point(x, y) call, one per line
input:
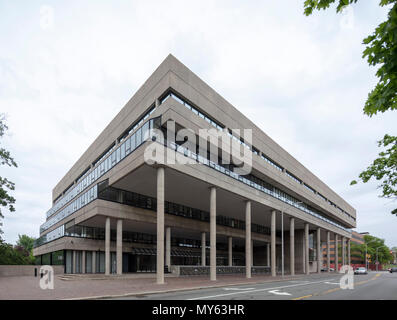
point(325, 269)
point(391, 270)
point(360, 270)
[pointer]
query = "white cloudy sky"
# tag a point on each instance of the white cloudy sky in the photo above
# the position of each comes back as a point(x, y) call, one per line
point(301, 79)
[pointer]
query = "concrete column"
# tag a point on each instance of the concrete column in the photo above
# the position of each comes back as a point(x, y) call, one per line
point(119, 246)
point(203, 248)
point(336, 253)
point(107, 246)
point(328, 251)
point(168, 247)
point(83, 262)
point(248, 239)
point(160, 226)
point(74, 262)
point(252, 253)
point(343, 251)
point(307, 270)
point(230, 250)
point(268, 254)
point(213, 233)
point(273, 243)
point(292, 246)
point(93, 262)
point(348, 253)
point(319, 255)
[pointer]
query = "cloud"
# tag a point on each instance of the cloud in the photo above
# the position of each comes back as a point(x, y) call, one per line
point(301, 79)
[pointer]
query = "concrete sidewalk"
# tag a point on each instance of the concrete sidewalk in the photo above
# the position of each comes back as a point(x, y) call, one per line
point(101, 286)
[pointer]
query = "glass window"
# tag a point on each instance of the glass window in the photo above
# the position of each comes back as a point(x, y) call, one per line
point(145, 131)
point(118, 155)
point(127, 146)
point(133, 142)
point(122, 151)
point(138, 136)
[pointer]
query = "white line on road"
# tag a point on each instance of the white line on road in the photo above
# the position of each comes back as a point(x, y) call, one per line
point(276, 292)
point(259, 290)
point(237, 289)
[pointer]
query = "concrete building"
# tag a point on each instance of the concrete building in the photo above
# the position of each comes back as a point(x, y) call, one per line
point(113, 212)
point(356, 238)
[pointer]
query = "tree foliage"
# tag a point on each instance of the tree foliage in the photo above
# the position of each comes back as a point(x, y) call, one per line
point(381, 52)
point(384, 255)
point(6, 200)
point(384, 168)
point(26, 242)
point(14, 255)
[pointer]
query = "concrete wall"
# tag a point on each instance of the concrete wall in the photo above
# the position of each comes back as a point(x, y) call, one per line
point(25, 270)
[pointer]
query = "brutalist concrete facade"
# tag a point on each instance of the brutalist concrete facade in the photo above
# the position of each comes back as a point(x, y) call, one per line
point(112, 212)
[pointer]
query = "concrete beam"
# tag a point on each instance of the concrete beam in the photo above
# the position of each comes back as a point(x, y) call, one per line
point(213, 233)
point(273, 243)
point(160, 226)
point(203, 249)
point(107, 246)
point(248, 239)
point(292, 246)
point(307, 265)
point(119, 246)
point(168, 247)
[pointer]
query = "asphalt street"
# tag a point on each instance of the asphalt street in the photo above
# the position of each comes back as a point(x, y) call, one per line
point(373, 286)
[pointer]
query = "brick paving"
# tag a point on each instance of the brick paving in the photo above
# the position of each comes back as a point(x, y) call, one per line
point(91, 286)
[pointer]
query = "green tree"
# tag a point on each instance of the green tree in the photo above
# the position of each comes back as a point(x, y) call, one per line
point(6, 200)
point(380, 51)
point(373, 243)
point(26, 242)
point(11, 255)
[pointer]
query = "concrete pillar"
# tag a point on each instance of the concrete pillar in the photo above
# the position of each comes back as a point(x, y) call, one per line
point(107, 246)
point(160, 226)
point(93, 262)
point(74, 262)
point(168, 247)
point(248, 239)
point(336, 253)
point(307, 269)
point(292, 246)
point(203, 248)
point(319, 255)
point(252, 253)
point(273, 243)
point(328, 251)
point(268, 254)
point(230, 250)
point(343, 251)
point(348, 253)
point(83, 262)
point(213, 233)
point(119, 246)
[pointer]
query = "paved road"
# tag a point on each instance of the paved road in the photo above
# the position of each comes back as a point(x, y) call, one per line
point(373, 286)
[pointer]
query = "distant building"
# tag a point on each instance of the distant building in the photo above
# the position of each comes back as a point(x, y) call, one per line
point(357, 238)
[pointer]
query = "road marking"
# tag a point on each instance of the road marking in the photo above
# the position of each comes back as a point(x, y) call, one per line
point(236, 289)
point(276, 292)
point(304, 297)
point(332, 282)
point(258, 290)
point(335, 289)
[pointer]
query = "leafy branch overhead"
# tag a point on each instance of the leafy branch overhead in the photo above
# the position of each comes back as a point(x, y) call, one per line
point(380, 51)
point(6, 200)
